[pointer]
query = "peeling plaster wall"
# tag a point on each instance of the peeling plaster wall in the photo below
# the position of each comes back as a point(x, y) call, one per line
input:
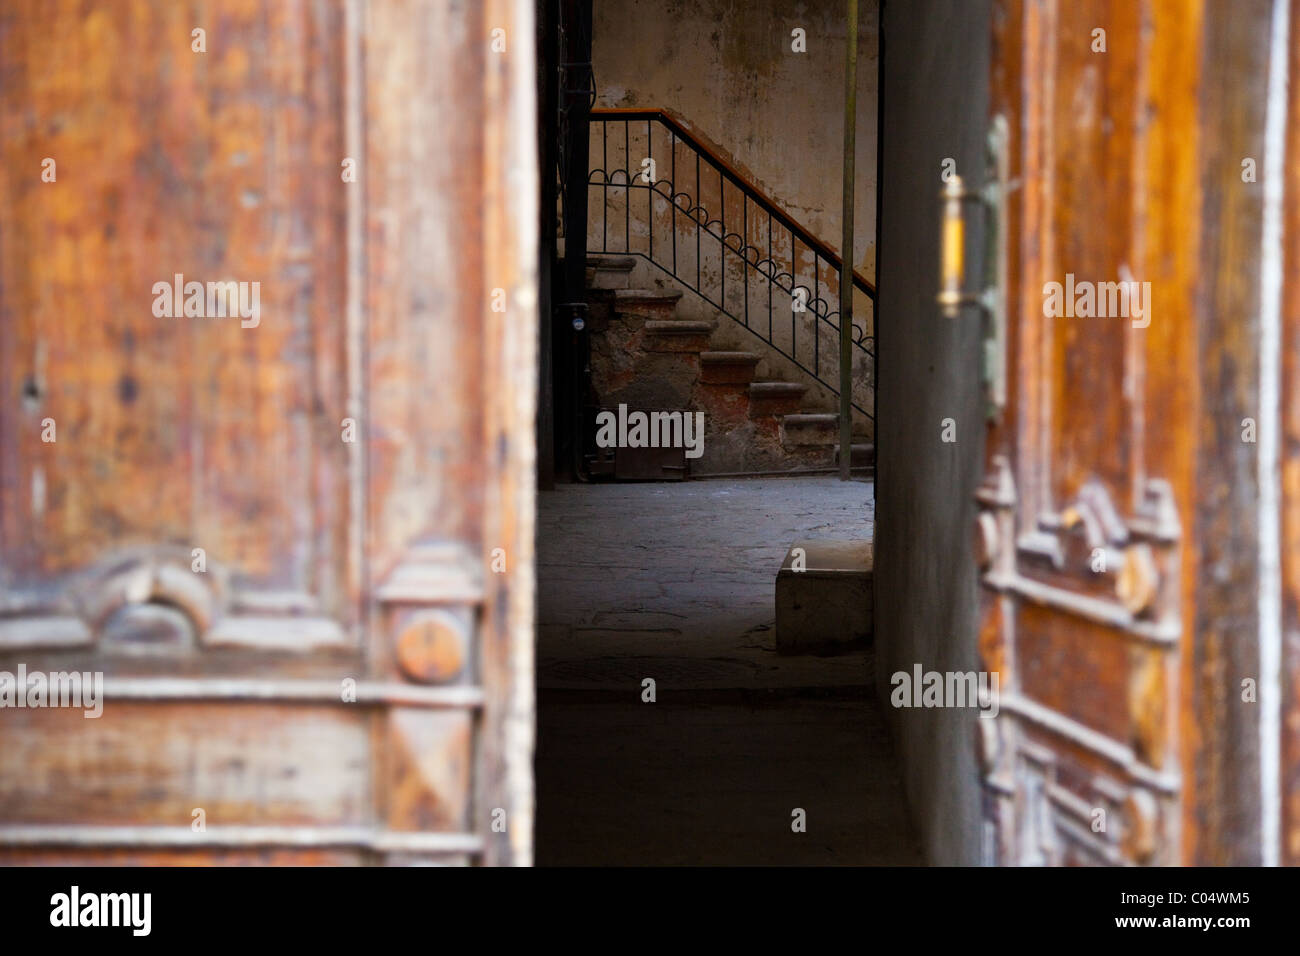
point(726, 67)
point(728, 71)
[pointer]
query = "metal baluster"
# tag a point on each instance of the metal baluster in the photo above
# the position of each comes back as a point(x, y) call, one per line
point(744, 249)
point(699, 200)
point(817, 322)
point(722, 228)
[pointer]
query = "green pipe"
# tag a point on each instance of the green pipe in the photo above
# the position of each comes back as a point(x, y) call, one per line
point(846, 245)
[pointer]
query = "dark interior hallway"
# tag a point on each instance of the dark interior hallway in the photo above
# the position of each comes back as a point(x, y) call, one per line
point(674, 582)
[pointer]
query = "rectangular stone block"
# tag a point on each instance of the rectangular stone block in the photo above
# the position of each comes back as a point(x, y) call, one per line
point(823, 597)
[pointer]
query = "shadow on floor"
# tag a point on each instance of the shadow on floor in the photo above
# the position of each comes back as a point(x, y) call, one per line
point(716, 782)
point(675, 582)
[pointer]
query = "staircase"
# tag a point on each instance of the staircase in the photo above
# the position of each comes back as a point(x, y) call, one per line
point(754, 342)
point(758, 416)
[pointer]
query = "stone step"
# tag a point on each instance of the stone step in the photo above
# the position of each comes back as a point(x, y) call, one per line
point(861, 454)
point(728, 368)
point(679, 326)
point(775, 398)
point(609, 272)
point(810, 429)
point(677, 335)
point(644, 303)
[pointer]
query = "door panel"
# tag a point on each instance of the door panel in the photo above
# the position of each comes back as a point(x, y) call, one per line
point(152, 761)
point(343, 672)
point(1109, 623)
point(176, 433)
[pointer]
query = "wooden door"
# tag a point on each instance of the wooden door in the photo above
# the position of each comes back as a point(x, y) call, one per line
point(296, 539)
point(1287, 363)
point(1119, 524)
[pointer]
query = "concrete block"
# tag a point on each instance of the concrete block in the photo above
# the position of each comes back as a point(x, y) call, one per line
point(827, 606)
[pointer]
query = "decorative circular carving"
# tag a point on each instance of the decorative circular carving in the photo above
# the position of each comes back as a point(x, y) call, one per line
point(1136, 585)
point(431, 647)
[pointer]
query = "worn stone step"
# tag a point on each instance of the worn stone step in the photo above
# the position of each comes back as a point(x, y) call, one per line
point(728, 368)
point(645, 304)
point(775, 398)
point(646, 295)
point(609, 272)
point(770, 389)
point(677, 335)
point(815, 428)
point(861, 454)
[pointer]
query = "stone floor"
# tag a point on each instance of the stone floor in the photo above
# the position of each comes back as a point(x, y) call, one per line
point(681, 577)
point(675, 582)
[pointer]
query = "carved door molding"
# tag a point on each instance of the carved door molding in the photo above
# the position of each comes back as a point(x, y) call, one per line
point(343, 672)
point(1118, 517)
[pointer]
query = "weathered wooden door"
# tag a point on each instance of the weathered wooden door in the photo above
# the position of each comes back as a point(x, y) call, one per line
point(286, 512)
point(1286, 275)
point(1119, 521)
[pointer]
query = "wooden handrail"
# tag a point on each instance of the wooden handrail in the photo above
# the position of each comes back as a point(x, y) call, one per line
point(674, 123)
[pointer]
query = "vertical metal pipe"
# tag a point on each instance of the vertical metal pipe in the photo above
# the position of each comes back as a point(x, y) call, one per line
point(604, 192)
point(627, 190)
point(650, 196)
point(846, 245)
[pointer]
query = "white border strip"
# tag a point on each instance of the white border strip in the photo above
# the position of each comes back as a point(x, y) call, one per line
point(1269, 516)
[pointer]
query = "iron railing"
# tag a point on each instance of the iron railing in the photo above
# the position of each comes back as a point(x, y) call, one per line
point(750, 241)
